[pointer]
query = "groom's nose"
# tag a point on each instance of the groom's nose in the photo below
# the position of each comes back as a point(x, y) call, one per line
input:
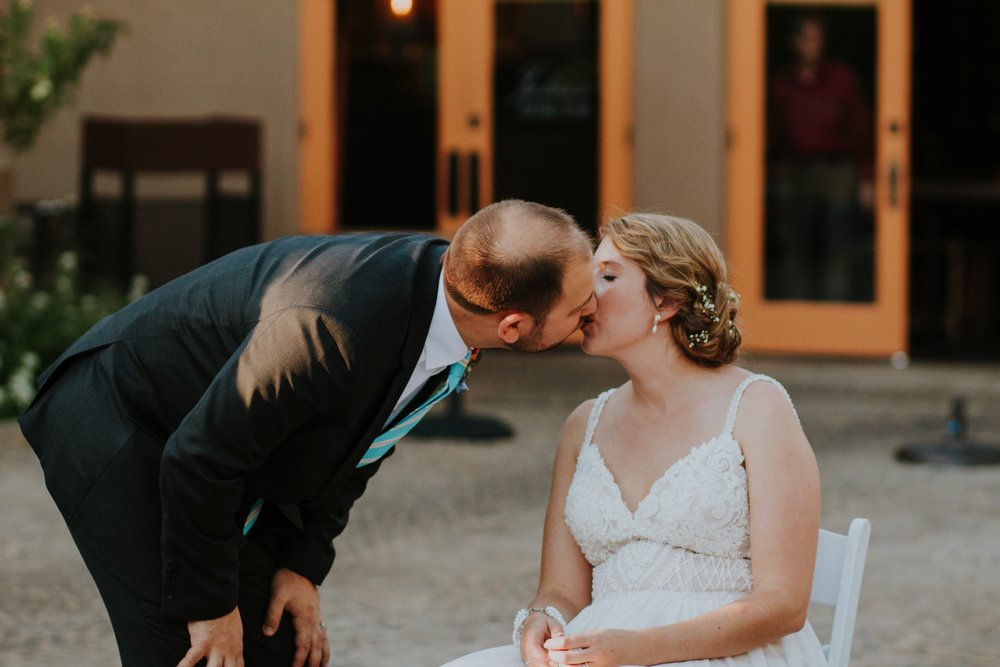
point(591, 306)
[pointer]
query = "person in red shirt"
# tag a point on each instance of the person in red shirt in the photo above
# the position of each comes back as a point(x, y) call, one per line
point(819, 169)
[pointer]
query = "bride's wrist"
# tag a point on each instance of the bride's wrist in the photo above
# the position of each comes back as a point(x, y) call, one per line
point(521, 617)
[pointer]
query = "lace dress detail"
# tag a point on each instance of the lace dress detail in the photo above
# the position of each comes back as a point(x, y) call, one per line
point(684, 551)
point(691, 532)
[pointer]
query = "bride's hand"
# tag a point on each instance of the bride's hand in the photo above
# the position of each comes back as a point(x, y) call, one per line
point(537, 629)
point(600, 648)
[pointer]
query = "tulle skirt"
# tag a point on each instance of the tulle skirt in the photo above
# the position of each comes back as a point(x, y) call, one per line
point(636, 610)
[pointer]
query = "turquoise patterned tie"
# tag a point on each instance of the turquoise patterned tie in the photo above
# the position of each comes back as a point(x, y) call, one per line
point(390, 436)
point(386, 440)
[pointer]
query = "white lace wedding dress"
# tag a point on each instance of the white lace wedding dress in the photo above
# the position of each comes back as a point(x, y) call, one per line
point(684, 551)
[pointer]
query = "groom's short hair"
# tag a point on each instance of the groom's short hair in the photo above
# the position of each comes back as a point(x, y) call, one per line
point(512, 255)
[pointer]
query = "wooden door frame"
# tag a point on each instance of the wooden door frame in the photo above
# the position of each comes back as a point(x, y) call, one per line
point(616, 107)
point(317, 163)
point(317, 118)
point(876, 329)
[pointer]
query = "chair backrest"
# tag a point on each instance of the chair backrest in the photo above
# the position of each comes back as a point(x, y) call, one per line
point(840, 564)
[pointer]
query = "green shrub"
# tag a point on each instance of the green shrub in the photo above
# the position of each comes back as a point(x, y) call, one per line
point(41, 318)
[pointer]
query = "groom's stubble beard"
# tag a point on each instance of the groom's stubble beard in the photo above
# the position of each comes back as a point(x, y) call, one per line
point(533, 341)
point(533, 346)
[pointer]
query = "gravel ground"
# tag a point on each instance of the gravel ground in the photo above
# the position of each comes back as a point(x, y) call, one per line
point(444, 547)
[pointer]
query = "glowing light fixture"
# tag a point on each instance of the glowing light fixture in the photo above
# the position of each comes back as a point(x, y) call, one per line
point(401, 7)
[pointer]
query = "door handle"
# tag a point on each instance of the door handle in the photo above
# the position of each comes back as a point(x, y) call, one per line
point(473, 182)
point(453, 183)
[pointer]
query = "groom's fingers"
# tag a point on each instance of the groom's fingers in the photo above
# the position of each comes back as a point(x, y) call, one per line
point(316, 648)
point(192, 657)
point(325, 660)
point(303, 644)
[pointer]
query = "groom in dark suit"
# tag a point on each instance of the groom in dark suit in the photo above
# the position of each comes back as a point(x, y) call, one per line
point(248, 394)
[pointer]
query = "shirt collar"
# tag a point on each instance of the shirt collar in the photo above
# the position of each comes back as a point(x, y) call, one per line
point(444, 344)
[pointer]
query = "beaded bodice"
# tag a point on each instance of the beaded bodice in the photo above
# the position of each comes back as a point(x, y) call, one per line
point(689, 534)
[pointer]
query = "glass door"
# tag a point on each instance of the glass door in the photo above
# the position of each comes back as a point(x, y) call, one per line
point(368, 108)
point(416, 113)
point(545, 105)
point(387, 86)
point(817, 165)
point(524, 109)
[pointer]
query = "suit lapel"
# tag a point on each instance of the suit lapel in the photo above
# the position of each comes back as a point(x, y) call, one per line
point(428, 275)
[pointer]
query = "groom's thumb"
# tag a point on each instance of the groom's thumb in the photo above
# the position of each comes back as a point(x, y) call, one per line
point(273, 617)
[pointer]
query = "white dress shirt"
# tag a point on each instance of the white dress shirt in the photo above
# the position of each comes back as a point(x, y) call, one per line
point(444, 346)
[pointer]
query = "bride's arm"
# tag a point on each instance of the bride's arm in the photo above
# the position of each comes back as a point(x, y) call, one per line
point(783, 482)
point(564, 582)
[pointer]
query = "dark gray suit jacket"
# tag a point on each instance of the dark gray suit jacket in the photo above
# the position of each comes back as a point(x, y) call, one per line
point(266, 373)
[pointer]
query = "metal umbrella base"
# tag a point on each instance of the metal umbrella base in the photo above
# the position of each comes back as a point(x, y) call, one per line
point(955, 449)
point(456, 423)
point(961, 453)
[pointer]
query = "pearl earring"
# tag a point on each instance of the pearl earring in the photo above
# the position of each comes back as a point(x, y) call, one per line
point(656, 322)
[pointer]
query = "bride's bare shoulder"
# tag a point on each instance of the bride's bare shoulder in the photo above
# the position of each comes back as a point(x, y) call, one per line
point(575, 427)
point(576, 423)
point(571, 438)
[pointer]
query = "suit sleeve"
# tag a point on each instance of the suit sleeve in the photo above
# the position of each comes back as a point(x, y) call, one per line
point(287, 371)
point(311, 554)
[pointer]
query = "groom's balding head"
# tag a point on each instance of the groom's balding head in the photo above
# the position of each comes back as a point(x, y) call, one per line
point(513, 255)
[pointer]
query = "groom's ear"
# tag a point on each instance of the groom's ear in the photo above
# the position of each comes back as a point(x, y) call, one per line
point(513, 325)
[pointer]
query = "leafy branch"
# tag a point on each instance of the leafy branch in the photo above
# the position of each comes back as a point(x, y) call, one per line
point(37, 80)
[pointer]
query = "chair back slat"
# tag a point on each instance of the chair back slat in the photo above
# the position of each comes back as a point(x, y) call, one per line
point(840, 565)
point(829, 567)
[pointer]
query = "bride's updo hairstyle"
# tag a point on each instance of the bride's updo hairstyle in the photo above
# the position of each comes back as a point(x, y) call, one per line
point(685, 267)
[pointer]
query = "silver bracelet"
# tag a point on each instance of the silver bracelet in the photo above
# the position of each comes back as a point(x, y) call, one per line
point(521, 616)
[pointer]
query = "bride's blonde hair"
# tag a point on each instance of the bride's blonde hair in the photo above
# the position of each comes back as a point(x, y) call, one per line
point(684, 266)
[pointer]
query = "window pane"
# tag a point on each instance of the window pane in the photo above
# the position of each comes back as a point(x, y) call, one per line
point(387, 93)
point(820, 222)
point(545, 104)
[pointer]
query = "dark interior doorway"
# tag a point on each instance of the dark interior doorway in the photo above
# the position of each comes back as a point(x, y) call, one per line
point(387, 114)
point(955, 208)
point(545, 105)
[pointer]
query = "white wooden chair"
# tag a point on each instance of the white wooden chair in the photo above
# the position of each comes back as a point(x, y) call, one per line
point(840, 564)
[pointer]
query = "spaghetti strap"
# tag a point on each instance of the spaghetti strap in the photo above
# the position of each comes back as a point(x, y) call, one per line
point(595, 415)
point(734, 404)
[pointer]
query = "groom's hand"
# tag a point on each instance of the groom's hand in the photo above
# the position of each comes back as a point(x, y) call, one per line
point(298, 596)
point(219, 640)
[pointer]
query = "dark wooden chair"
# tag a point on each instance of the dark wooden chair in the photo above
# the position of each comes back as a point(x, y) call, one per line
point(131, 147)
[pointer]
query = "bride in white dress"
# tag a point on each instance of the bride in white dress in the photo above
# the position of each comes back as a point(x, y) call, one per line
point(658, 551)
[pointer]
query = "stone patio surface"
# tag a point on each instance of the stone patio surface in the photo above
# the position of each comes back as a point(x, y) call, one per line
point(444, 547)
